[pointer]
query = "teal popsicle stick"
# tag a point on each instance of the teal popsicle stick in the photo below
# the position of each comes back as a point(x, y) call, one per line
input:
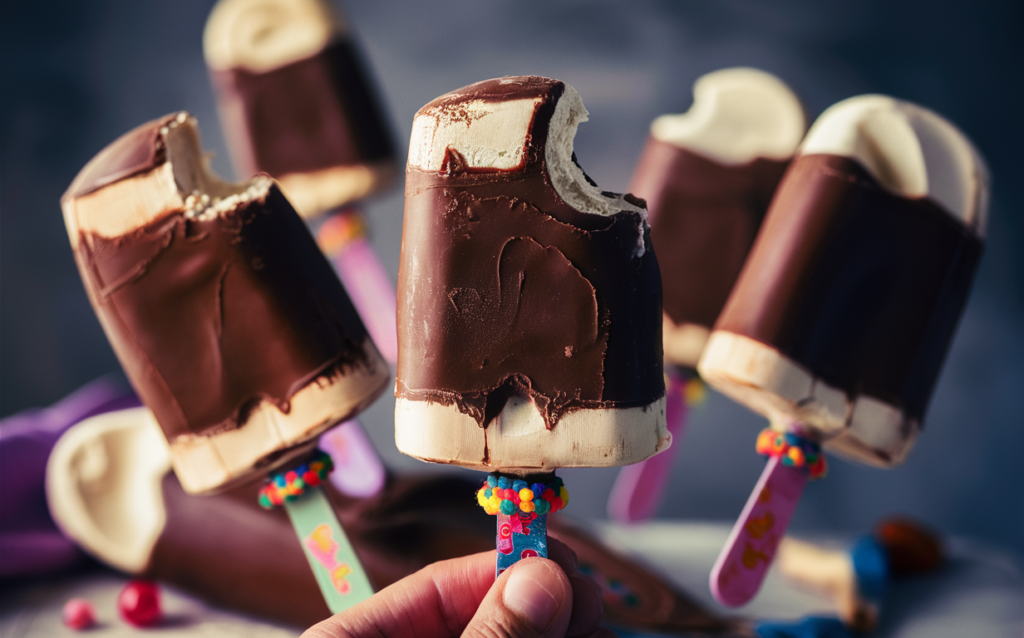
point(340, 575)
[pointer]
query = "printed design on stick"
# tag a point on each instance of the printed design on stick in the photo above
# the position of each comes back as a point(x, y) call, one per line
point(324, 548)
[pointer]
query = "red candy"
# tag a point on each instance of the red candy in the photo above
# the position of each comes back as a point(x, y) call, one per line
point(139, 603)
point(912, 547)
point(79, 614)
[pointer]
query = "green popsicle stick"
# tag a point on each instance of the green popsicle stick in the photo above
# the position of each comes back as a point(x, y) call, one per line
point(340, 575)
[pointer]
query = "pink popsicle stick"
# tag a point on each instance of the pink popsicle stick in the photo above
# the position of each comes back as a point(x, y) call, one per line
point(638, 488)
point(358, 469)
point(373, 294)
point(750, 550)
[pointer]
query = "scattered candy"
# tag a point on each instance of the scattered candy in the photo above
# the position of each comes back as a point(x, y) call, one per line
point(912, 547)
point(139, 603)
point(79, 614)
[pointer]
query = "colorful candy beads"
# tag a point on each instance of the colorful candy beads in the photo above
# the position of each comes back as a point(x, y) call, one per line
point(289, 485)
point(795, 451)
point(339, 229)
point(501, 494)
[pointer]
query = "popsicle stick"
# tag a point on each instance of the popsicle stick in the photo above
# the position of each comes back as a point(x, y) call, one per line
point(750, 549)
point(342, 237)
point(340, 575)
point(521, 505)
point(358, 469)
point(519, 538)
point(638, 488)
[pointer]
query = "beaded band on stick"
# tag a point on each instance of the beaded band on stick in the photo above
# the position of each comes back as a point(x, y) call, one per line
point(341, 577)
point(522, 508)
point(794, 451)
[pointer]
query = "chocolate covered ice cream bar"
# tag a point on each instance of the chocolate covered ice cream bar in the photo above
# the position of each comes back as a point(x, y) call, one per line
point(529, 303)
point(708, 176)
point(296, 101)
point(845, 309)
point(229, 322)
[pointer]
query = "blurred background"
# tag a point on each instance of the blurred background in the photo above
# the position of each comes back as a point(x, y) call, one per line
point(76, 75)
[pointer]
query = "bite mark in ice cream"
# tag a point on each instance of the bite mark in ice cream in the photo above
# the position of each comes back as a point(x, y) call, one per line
point(228, 321)
point(523, 288)
point(708, 176)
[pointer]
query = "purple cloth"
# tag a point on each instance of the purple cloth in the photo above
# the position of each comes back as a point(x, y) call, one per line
point(30, 542)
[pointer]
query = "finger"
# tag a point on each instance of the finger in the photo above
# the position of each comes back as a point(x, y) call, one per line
point(439, 600)
point(533, 599)
point(587, 608)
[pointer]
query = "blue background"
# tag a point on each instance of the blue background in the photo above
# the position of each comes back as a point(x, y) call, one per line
point(76, 75)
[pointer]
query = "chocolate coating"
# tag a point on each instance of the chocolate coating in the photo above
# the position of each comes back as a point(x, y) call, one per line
point(861, 286)
point(505, 290)
point(137, 151)
point(704, 216)
point(211, 316)
point(305, 116)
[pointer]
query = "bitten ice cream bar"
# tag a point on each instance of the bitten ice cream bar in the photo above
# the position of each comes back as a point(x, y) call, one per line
point(228, 321)
point(851, 295)
point(707, 176)
point(296, 101)
point(529, 303)
point(838, 325)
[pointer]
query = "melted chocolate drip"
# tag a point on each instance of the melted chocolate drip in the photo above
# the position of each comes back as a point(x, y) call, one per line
point(336, 119)
point(859, 285)
point(704, 216)
point(506, 291)
point(211, 317)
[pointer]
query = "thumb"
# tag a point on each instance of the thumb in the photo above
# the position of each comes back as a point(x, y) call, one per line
point(532, 599)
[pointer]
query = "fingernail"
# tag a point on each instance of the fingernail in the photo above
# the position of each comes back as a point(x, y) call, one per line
point(527, 596)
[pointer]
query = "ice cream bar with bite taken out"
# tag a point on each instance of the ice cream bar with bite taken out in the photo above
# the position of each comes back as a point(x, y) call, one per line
point(228, 321)
point(296, 102)
point(708, 176)
point(529, 305)
point(529, 300)
point(839, 322)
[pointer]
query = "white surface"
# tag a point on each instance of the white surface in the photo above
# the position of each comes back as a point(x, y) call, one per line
point(978, 594)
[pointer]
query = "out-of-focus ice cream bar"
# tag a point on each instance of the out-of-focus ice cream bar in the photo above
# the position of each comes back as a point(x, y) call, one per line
point(845, 309)
point(296, 102)
point(229, 322)
point(708, 176)
point(529, 304)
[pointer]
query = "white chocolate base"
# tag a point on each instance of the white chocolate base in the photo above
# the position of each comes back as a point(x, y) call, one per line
point(270, 437)
point(316, 192)
point(683, 343)
point(861, 428)
point(103, 486)
point(518, 440)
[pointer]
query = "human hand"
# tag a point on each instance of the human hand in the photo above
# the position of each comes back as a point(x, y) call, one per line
point(537, 597)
